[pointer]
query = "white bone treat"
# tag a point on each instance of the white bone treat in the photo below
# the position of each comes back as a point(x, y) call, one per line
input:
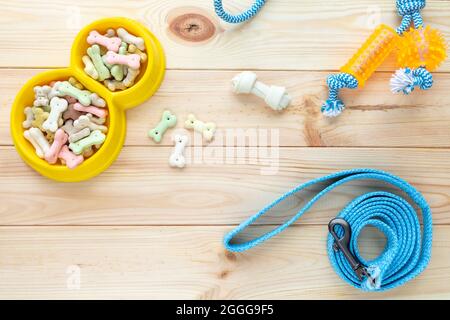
point(29, 118)
point(69, 128)
point(89, 67)
point(95, 119)
point(58, 106)
point(54, 92)
point(275, 97)
point(206, 129)
point(131, 39)
point(131, 77)
point(41, 96)
point(74, 137)
point(177, 158)
point(85, 122)
point(40, 142)
point(114, 85)
point(37, 147)
point(97, 101)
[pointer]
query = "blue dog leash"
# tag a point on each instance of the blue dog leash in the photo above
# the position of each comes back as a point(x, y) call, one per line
point(250, 13)
point(407, 252)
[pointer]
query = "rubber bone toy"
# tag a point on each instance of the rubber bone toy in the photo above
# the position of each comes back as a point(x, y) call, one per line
point(419, 50)
point(275, 97)
point(177, 158)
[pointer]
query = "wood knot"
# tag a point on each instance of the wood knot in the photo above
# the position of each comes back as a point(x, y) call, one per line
point(193, 26)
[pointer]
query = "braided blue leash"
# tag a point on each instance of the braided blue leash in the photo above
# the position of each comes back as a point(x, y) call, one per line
point(407, 252)
point(252, 11)
point(410, 11)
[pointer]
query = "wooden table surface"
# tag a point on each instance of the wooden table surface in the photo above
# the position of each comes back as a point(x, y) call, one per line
point(144, 230)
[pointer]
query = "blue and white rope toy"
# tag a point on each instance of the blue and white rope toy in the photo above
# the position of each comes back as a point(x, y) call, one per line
point(408, 249)
point(242, 17)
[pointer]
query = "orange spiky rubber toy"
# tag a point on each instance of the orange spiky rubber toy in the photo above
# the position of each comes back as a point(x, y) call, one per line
point(420, 50)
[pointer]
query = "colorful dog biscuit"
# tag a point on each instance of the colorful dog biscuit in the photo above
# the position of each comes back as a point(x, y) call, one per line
point(206, 129)
point(38, 150)
point(29, 114)
point(276, 97)
point(130, 39)
point(101, 113)
point(69, 128)
point(133, 61)
point(37, 139)
point(74, 82)
point(85, 122)
point(97, 101)
point(96, 58)
point(70, 159)
point(111, 43)
point(110, 33)
point(95, 119)
point(40, 116)
point(74, 137)
point(54, 92)
point(71, 113)
point(114, 85)
point(83, 96)
point(60, 139)
point(89, 67)
point(133, 49)
point(58, 106)
point(177, 158)
point(131, 77)
point(96, 137)
point(117, 71)
point(168, 120)
point(41, 96)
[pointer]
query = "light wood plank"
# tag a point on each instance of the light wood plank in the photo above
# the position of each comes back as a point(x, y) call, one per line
point(287, 35)
point(190, 263)
point(141, 189)
point(374, 116)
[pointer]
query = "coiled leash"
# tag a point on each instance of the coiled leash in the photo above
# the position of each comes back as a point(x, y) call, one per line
point(407, 252)
point(227, 17)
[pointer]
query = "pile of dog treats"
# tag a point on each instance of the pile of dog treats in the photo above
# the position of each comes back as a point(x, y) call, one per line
point(65, 123)
point(114, 58)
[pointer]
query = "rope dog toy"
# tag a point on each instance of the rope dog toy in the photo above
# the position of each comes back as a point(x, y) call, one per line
point(247, 15)
point(420, 50)
point(407, 252)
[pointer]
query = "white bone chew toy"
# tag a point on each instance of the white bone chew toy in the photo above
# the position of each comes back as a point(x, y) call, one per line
point(206, 129)
point(177, 158)
point(58, 106)
point(275, 97)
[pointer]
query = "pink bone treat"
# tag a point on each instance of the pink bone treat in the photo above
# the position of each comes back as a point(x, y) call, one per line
point(112, 44)
point(59, 141)
point(131, 60)
point(101, 113)
point(71, 159)
point(71, 113)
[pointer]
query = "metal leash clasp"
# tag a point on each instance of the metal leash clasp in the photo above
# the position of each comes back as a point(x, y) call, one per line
point(342, 244)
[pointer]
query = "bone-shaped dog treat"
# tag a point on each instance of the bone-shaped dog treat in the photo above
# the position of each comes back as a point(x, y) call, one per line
point(70, 100)
point(89, 67)
point(114, 85)
point(37, 139)
point(96, 58)
point(96, 137)
point(29, 114)
point(112, 43)
point(74, 82)
point(275, 97)
point(71, 113)
point(41, 96)
point(58, 106)
point(54, 92)
point(168, 120)
point(85, 122)
point(69, 128)
point(206, 129)
point(97, 101)
point(177, 158)
point(60, 139)
point(133, 49)
point(39, 118)
point(110, 33)
point(117, 70)
point(70, 159)
point(95, 119)
point(74, 137)
point(131, 77)
point(130, 39)
point(83, 96)
point(101, 113)
point(133, 61)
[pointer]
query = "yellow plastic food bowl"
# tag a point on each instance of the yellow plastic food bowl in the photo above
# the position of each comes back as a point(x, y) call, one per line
point(152, 73)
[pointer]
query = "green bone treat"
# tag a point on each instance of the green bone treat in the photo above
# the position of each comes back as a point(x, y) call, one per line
point(66, 89)
point(96, 57)
point(95, 138)
point(168, 120)
point(117, 69)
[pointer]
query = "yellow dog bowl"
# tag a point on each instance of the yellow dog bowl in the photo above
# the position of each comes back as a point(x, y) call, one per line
point(152, 73)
